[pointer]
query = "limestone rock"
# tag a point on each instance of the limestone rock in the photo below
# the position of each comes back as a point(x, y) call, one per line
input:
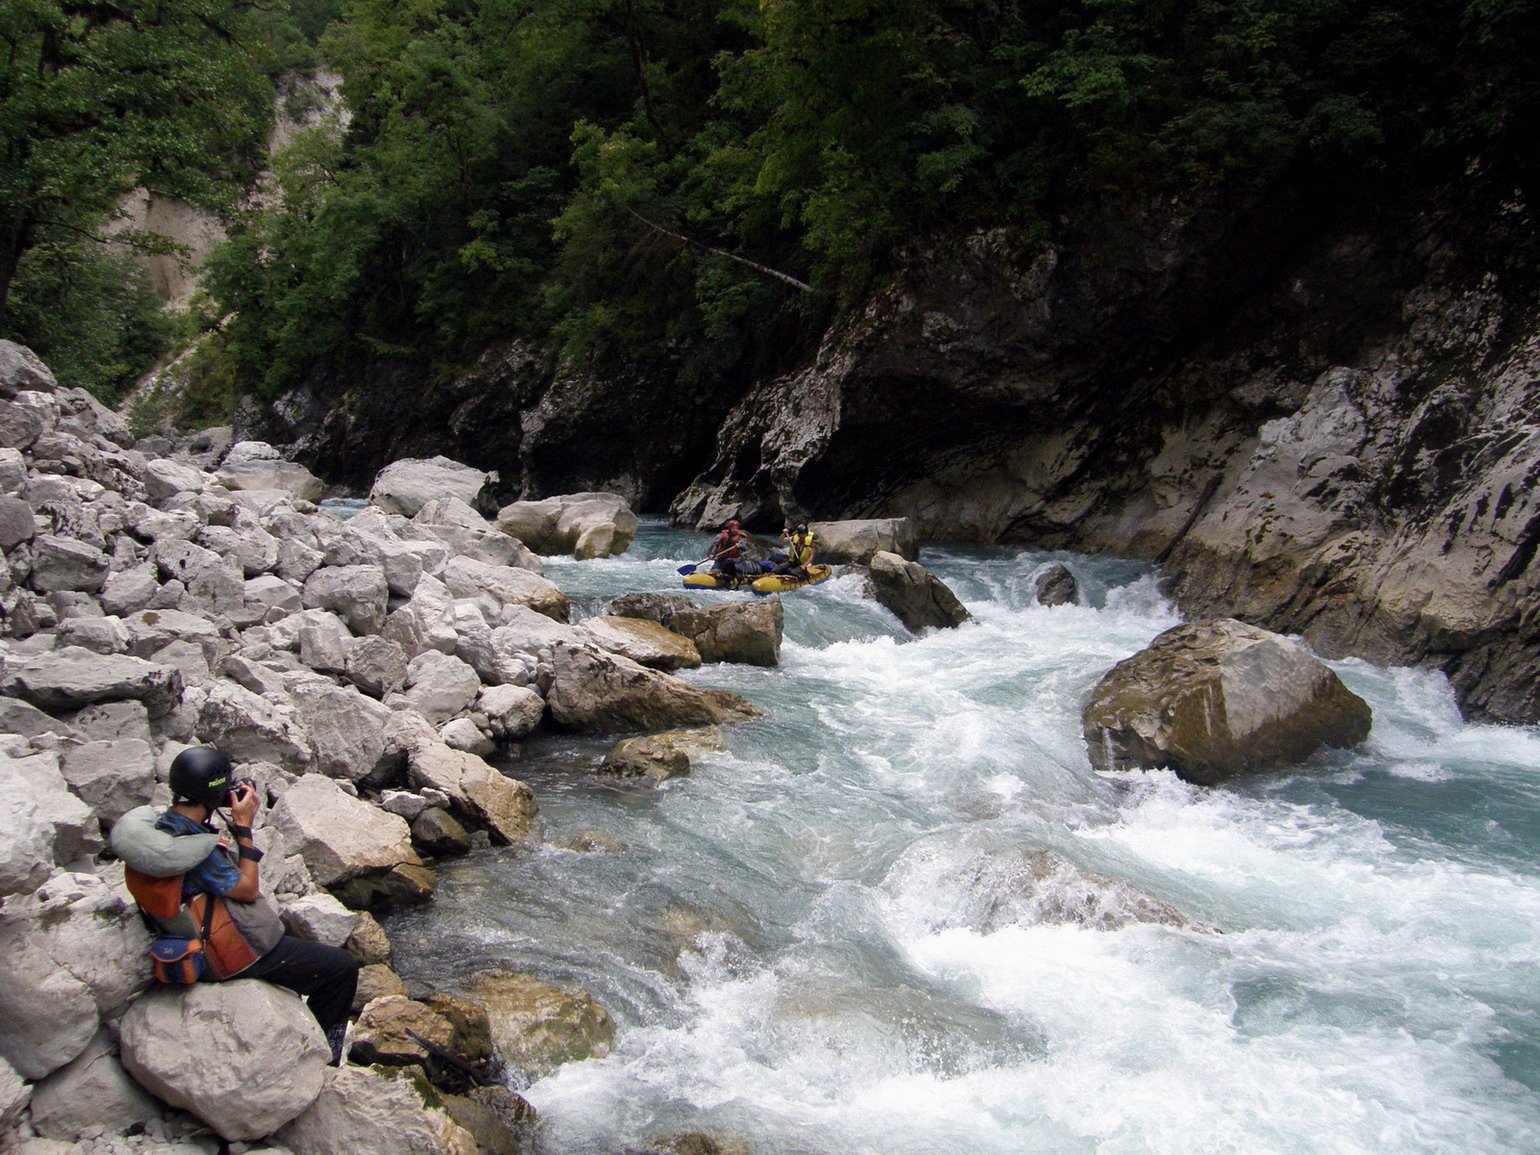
point(43, 825)
point(346, 728)
point(320, 918)
point(585, 525)
point(91, 1093)
point(377, 981)
point(257, 466)
point(385, 1028)
point(1056, 586)
point(368, 943)
point(339, 836)
point(536, 1025)
point(469, 535)
point(1216, 698)
point(747, 633)
point(14, 1096)
point(916, 596)
point(268, 1066)
point(645, 642)
point(512, 711)
point(17, 523)
point(70, 953)
point(356, 593)
point(111, 777)
point(859, 541)
point(164, 478)
point(72, 677)
point(479, 793)
point(22, 370)
point(437, 834)
point(376, 665)
point(63, 563)
point(251, 728)
point(376, 1111)
point(509, 585)
point(659, 757)
point(407, 485)
point(594, 691)
point(439, 686)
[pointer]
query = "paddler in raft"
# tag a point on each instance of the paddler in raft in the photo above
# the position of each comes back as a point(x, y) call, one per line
point(799, 552)
point(726, 553)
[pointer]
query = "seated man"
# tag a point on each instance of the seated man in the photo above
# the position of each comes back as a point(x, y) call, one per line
point(727, 556)
point(799, 551)
point(242, 933)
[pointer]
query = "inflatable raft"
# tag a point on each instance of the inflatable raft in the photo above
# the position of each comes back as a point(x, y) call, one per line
point(770, 583)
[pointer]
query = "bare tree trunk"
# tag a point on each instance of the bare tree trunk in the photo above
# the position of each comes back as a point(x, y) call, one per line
point(716, 252)
point(14, 237)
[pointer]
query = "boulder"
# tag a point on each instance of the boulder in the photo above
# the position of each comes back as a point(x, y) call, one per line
point(439, 686)
point(91, 1093)
point(511, 711)
point(164, 478)
point(320, 918)
point(495, 1116)
point(356, 593)
point(478, 793)
point(346, 728)
point(71, 952)
point(385, 1029)
point(743, 632)
point(594, 691)
point(585, 525)
point(13, 472)
point(111, 777)
point(917, 597)
point(323, 640)
point(437, 834)
point(642, 641)
point(507, 585)
point(269, 598)
point(22, 370)
point(251, 547)
point(536, 1025)
point(112, 722)
point(375, 1111)
point(465, 735)
point(251, 728)
point(339, 836)
point(425, 621)
point(17, 523)
point(43, 825)
point(14, 1096)
point(376, 665)
point(1056, 586)
point(859, 541)
point(149, 631)
point(467, 534)
point(405, 486)
point(659, 757)
point(377, 981)
point(25, 719)
point(267, 474)
point(244, 1056)
point(651, 607)
point(63, 563)
point(20, 427)
point(369, 943)
point(1216, 698)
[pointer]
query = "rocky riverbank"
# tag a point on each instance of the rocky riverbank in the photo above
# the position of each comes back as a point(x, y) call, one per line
point(364, 673)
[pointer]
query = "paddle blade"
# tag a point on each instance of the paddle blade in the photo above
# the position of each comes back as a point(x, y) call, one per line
point(689, 569)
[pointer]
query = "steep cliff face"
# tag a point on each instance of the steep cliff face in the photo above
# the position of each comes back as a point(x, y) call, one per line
point(1334, 436)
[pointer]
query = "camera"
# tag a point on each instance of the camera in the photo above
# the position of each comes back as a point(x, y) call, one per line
point(241, 785)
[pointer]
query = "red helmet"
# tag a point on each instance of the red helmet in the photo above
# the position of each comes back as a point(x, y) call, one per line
point(733, 523)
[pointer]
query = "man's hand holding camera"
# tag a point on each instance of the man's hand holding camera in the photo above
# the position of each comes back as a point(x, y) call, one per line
point(244, 803)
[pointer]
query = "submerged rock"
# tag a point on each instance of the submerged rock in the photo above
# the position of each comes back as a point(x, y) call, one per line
point(536, 1025)
point(1056, 586)
point(1217, 698)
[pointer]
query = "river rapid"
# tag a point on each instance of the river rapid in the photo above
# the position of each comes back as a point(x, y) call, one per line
point(816, 942)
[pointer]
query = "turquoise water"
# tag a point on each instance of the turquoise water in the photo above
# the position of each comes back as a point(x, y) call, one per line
point(812, 943)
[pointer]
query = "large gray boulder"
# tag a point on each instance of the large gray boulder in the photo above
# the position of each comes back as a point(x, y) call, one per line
point(91, 1093)
point(111, 777)
point(439, 686)
point(377, 1111)
point(251, 727)
point(1056, 586)
point(1217, 698)
point(63, 563)
point(405, 486)
point(71, 953)
point(244, 1056)
point(72, 677)
point(358, 594)
point(648, 643)
point(479, 794)
point(742, 631)
point(859, 541)
point(256, 466)
point(917, 597)
point(339, 836)
point(43, 825)
point(22, 370)
point(14, 1096)
point(599, 692)
point(507, 585)
point(585, 525)
point(346, 728)
point(511, 711)
point(467, 534)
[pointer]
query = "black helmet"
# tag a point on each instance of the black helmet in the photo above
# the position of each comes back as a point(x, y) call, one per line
point(201, 775)
point(802, 529)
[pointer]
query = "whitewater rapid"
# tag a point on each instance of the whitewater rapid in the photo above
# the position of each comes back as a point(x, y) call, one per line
point(816, 943)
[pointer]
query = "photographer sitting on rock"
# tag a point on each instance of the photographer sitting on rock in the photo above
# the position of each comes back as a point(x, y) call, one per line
point(193, 886)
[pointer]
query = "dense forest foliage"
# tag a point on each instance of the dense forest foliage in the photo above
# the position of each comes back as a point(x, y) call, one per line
point(694, 185)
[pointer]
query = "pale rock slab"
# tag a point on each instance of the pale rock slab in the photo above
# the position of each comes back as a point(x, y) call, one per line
point(440, 686)
point(72, 677)
point(647, 643)
point(467, 534)
point(65, 564)
point(405, 486)
point(42, 823)
point(346, 728)
point(478, 793)
point(251, 728)
point(356, 593)
point(339, 836)
point(508, 585)
point(91, 1093)
point(594, 691)
point(111, 777)
point(267, 1066)
point(14, 1096)
point(858, 542)
point(376, 665)
point(320, 918)
point(917, 597)
point(585, 525)
point(376, 1111)
point(513, 711)
point(70, 953)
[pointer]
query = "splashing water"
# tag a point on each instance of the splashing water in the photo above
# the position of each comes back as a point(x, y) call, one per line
point(855, 929)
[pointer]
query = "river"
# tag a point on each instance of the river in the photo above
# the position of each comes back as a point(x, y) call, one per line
point(816, 943)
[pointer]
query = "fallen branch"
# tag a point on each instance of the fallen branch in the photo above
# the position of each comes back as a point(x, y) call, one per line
point(716, 252)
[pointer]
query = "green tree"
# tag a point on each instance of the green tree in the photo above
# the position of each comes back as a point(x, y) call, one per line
point(100, 96)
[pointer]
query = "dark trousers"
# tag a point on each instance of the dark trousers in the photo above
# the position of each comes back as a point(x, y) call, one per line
point(326, 975)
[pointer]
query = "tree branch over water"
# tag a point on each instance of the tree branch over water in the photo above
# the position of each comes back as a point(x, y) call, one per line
point(716, 252)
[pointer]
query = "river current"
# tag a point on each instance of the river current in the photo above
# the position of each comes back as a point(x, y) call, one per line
point(817, 942)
